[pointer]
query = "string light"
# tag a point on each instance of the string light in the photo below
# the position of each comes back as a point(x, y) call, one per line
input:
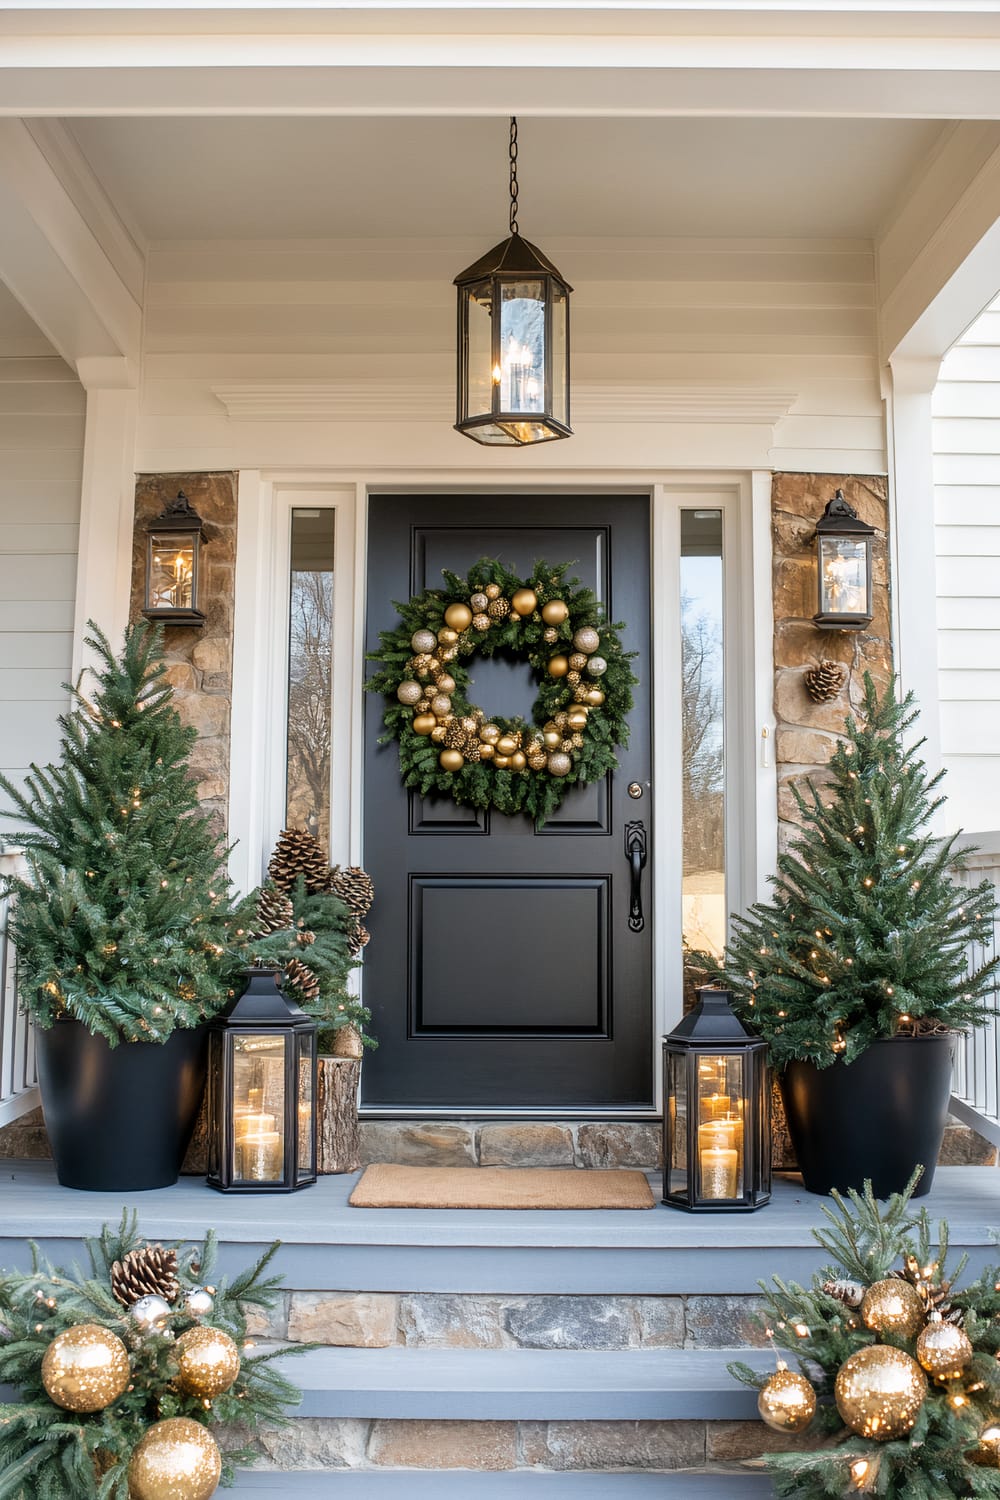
point(859, 1470)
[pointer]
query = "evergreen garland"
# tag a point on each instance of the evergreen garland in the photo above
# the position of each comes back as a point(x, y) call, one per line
point(868, 935)
point(120, 919)
point(536, 792)
point(47, 1453)
point(942, 1455)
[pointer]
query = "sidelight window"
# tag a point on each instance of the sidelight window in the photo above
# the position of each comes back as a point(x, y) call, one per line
point(310, 671)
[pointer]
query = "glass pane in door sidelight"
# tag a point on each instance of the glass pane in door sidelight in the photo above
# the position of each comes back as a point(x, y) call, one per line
point(310, 672)
point(703, 754)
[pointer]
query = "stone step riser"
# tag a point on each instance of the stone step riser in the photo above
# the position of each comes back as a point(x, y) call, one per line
point(332, 1443)
point(378, 1320)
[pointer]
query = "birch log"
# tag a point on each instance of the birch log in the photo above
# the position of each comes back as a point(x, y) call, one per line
point(337, 1136)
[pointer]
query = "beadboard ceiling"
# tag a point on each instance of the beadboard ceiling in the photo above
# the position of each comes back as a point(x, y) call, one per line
point(374, 177)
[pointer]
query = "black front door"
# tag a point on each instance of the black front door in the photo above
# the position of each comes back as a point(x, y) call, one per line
point(502, 971)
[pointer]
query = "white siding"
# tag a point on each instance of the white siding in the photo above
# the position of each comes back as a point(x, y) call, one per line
point(42, 413)
point(967, 513)
point(376, 319)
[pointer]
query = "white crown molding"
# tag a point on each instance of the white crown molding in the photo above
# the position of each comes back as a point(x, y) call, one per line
point(374, 401)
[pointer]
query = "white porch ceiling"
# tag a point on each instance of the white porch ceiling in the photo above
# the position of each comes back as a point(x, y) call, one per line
point(374, 177)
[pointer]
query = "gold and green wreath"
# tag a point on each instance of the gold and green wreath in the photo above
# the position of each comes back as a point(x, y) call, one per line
point(449, 745)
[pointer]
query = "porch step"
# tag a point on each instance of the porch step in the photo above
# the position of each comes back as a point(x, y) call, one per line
point(474, 1385)
point(466, 1484)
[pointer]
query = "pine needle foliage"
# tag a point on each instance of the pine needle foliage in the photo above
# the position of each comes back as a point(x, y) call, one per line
point(869, 1241)
point(47, 1453)
point(480, 784)
point(119, 921)
point(328, 922)
point(869, 933)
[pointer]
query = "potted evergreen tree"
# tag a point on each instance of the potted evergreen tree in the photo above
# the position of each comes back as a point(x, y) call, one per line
point(119, 925)
point(857, 973)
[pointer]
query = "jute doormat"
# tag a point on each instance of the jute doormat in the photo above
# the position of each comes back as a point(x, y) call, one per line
point(389, 1186)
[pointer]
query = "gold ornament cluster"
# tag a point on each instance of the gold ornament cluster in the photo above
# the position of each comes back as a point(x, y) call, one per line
point(177, 1459)
point(85, 1368)
point(472, 737)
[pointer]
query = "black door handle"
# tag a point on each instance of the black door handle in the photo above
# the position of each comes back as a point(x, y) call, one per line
point(635, 852)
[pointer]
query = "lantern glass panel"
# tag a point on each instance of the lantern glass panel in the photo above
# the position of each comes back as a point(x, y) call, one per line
point(843, 575)
point(677, 1097)
point(721, 1111)
point(522, 346)
point(306, 1164)
point(559, 355)
point(258, 1107)
point(171, 571)
point(479, 375)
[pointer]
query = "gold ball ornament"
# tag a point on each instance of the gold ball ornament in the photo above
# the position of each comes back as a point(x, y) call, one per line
point(559, 763)
point(447, 637)
point(555, 612)
point(85, 1368)
point(441, 705)
point(438, 733)
point(478, 603)
point(518, 760)
point(586, 639)
point(506, 744)
point(446, 684)
point(458, 616)
point(787, 1402)
point(409, 693)
point(492, 591)
point(550, 636)
point(987, 1454)
point(502, 762)
point(481, 622)
point(942, 1349)
point(423, 641)
point(489, 734)
point(524, 601)
point(558, 666)
point(451, 760)
point(208, 1362)
point(597, 666)
point(175, 1460)
point(879, 1392)
point(595, 697)
point(486, 752)
point(577, 718)
point(424, 724)
point(551, 739)
point(893, 1306)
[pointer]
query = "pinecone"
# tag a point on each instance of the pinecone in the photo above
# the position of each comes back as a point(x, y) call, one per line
point(358, 939)
point(934, 1294)
point(498, 609)
point(142, 1273)
point(300, 978)
point(850, 1293)
point(455, 735)
point(471, 751)
point(298, 853)
point(354, 887)
point(274, 912)
point(825, 680)
point(578, 661)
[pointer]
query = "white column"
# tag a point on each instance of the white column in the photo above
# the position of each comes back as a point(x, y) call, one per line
point(107, 502)
point(909, 388)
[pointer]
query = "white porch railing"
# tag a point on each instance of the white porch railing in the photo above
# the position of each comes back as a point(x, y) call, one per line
point(18, 1086)
point(976, 1086)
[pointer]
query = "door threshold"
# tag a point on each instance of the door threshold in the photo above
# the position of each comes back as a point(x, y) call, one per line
point(472, 1112)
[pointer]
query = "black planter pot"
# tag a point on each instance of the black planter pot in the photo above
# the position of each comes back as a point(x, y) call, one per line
point(880, 1117)
point(119, 1118)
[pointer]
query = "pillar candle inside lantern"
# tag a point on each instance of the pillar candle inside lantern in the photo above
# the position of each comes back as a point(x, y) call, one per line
point(719, 1172)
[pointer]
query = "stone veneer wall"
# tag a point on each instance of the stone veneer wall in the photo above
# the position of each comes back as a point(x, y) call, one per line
point(199, 661)
point(807, 732)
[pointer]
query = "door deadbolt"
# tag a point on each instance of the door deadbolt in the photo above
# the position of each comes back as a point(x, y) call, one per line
point(635, 790)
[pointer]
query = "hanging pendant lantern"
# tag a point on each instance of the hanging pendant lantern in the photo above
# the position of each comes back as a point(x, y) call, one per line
point(513, 341)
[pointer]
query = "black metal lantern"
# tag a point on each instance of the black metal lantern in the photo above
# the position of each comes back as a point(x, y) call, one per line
point(173, 545)
point(844, 568)
point(262, 1092)
point(716, 1111)
point(513, 341)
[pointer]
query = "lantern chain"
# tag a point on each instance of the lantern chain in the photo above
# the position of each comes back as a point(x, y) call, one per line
point(513, 174)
